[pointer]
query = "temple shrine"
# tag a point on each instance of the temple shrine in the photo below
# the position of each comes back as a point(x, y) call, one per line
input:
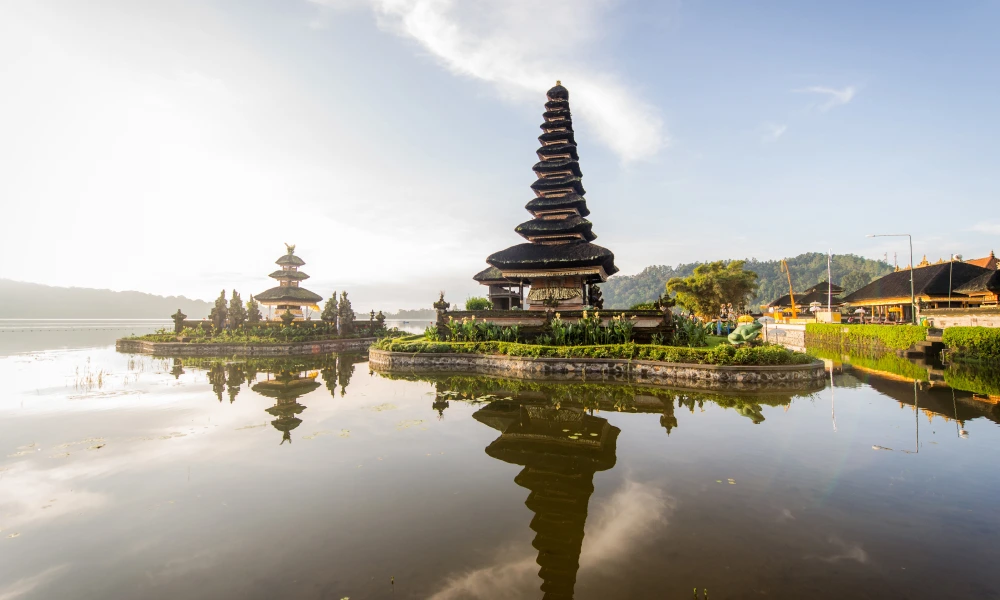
point(559, 263)
point(288, 296)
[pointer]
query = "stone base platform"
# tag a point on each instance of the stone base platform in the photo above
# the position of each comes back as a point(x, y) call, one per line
point(806, 377)
point(290, 349)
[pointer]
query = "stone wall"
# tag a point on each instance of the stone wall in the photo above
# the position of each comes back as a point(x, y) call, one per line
point(962, 317)
point(716, 377)
point(789, 336)
point(290, 349)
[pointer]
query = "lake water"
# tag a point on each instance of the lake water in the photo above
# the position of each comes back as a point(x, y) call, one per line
point(135, 477)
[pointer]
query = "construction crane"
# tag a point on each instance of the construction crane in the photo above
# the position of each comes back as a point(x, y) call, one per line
point(791, 293)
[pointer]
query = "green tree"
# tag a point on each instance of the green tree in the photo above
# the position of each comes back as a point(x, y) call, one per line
point(330, 309)
point(237, 312)
point(219, 313)
point(854, 281)
point(713, 285)
point(346, 314)
point(253, 312)
point(478, 303)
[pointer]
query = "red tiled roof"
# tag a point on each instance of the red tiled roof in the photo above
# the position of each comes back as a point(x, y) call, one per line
point(987, 262)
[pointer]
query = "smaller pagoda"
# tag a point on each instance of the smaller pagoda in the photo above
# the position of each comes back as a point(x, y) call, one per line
point(288, 296)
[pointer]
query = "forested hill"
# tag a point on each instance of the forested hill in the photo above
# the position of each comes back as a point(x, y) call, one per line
point(849, 271)
point(21, 300)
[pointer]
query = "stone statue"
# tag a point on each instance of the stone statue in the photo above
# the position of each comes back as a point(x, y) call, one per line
point(746, 332)
point(441, 305)
point(178, 318)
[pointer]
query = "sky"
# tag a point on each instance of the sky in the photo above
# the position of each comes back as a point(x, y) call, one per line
point(173, 147)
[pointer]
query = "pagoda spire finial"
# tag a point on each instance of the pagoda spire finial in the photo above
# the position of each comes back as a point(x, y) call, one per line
point(290, 248)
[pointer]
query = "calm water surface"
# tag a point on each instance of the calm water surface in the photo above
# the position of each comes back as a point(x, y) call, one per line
point(135, 477)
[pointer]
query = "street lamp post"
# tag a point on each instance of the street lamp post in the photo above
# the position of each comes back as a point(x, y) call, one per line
point(913, 303)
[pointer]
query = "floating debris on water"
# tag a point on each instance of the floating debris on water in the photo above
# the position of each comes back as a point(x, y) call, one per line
point(251, 427)
point(317, 434)
point(407, 424)
point(383, 407)
point(877, 447)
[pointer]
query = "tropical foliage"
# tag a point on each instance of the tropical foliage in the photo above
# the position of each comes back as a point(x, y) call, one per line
point(478, 303)
point(237, 312)
point(329, 314)
point(714, 285)
point(253, 312)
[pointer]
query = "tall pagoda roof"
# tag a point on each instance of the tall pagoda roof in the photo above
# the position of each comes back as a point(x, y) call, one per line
point(559, 236)
point(289, 293)
point(987, 282)
point(289, 258)
point(287, 274)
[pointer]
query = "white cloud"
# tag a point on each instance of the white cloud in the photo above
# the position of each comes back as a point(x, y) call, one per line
point(834, 97)
point(772, 131)
point(991, 227)
point(512, 45)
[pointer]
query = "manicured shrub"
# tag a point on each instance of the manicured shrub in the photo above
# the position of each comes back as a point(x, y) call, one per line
point(889, 337)
point(973, 343)
point(720, 355)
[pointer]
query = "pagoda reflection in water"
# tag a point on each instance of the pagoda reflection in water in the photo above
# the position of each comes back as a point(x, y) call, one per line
point(283, 379)
point(560, 449)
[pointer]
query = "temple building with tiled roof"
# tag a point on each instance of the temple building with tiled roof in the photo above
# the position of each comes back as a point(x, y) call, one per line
point(934, 286)
point(987, 262)
point(558, 261)
point(822, 292)
point(288, 296)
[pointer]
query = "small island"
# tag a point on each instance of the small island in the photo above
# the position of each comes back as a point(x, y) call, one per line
point(237, 329)
point(560, 330)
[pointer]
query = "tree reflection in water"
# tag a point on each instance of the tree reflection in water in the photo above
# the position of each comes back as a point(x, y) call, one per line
point(284, 379)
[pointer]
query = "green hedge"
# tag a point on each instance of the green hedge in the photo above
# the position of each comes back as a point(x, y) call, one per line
point(973, 343)
point(720, 355)
point(888, 362)
point(889, 337)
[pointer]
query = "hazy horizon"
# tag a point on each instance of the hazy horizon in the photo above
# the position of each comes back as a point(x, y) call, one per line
point(172, 148)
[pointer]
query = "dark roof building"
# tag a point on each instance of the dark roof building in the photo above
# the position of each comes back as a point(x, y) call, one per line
point(817, 293)
point(985, 288)
point(288, 296)
point(558, 261)
point(934, 286)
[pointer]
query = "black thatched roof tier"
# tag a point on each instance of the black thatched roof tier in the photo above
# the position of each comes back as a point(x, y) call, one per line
point(290, 275)
point(544, 184)
point(557, 150)
point(569, 201)
point(565, 137)
point(986, 282)
point(556, 104)
point(554, 126)
point(822, 287)
point(290, 260)
point(493, 274)
point(557, 92)
point(927, 281)
point(556, 256)
point(291, 294)
point(568, 226)
point(557, 164)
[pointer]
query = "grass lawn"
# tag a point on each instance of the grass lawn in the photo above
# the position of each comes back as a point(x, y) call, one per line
point(715, 340)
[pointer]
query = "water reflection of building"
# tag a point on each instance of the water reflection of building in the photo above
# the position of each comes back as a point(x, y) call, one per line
point(560, 449)
point(286, 388)
point(284, 379)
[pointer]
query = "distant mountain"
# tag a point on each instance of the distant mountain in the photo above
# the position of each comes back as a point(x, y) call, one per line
point(21, 300)
point(849, 271)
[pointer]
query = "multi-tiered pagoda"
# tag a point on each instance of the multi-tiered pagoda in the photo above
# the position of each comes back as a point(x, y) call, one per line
point(289, 296)
point(559, 261)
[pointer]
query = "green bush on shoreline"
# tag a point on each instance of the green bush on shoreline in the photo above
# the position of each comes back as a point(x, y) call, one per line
point(719, 355)
point(973, 343)
point(889, 337)
point(262, 334)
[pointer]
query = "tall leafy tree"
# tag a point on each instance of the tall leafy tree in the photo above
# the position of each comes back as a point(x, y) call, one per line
point(219, 313)
point(713, 285)
point(237, 312)
point(346, 313)
point(330, 309)
point(854, 281)
point(253, 312)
